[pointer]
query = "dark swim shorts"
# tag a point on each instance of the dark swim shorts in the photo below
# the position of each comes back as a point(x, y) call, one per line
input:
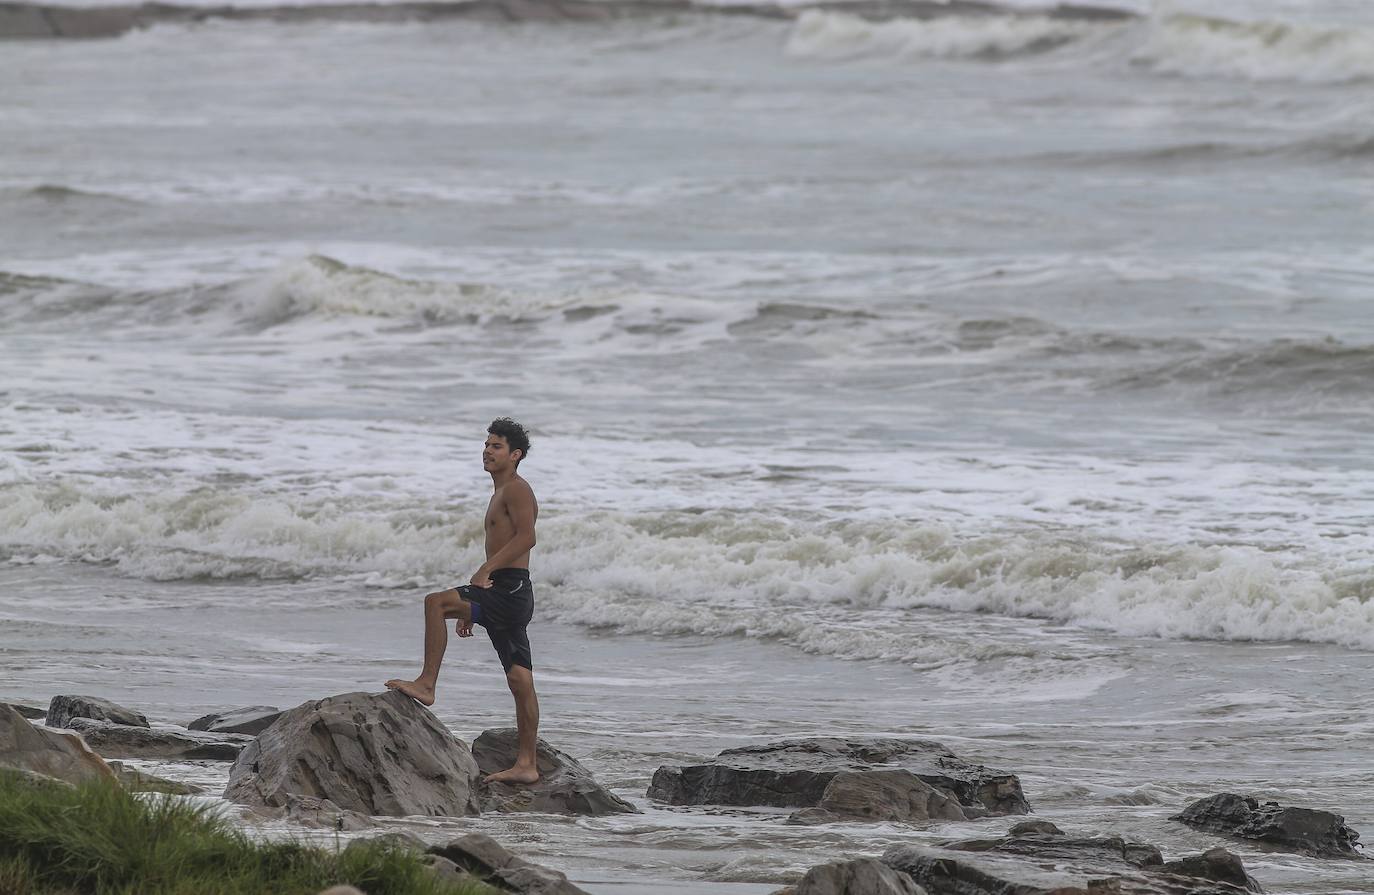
point(505, 609)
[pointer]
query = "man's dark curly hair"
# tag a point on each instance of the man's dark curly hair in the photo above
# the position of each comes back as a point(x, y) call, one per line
point(514, 433)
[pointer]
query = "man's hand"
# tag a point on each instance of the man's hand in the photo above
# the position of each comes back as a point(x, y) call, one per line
point(463, 629)
point(481, 578)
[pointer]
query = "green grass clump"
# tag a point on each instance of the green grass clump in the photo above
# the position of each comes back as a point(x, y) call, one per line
point(98, 839)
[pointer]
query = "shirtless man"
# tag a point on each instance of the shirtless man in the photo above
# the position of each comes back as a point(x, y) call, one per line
point(500, 597)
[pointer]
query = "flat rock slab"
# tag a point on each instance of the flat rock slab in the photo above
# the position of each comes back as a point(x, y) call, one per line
point(308, 811)
point(123, 741)
point(564, 787)
point(63, 709)
point(251, 720)
point(376, 754)
point(48, 752)
point(484, 858)
point(1046, 864)
point(1304, 830)
point(796, 773)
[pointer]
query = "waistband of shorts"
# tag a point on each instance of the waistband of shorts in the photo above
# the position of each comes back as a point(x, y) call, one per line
point(523, 574)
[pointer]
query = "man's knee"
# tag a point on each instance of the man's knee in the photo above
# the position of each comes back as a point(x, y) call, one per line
point(520, 679)
point(450, 602)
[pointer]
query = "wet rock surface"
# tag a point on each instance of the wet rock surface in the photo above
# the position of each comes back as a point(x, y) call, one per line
point(376, 754)
point(564, 787)
point(796, 774)
point(865, 876)
point(482, 857)
point(64, 709)
point(251, 720)
point(123, 741)
point(1048, 864)
point(51, 753)
point(308, 811)
point(1305, 830)
point(895, 795)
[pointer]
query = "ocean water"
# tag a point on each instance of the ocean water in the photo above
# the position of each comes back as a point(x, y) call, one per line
point(998, 379)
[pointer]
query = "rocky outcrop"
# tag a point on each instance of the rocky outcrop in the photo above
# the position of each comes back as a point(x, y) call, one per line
point(371, 753)
point(63, 709)
point(865, 876)
point(895, 795)
point(48, 752)
point(564, 787)
point(171, 744)
point(1305, 830)
point(482, 857)
point(1048, 864)
point(797, 773)
point(251, 720)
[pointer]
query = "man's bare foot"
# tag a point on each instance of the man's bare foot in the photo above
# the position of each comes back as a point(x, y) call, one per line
point(415, 690)
point(516, 774)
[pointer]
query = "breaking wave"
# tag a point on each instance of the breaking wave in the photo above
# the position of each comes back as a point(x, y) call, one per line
point(840, 35)
point(1260, 51)
point(750, 575)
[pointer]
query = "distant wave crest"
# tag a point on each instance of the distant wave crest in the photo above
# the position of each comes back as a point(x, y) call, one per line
point(1260, 51)
point(842, 35)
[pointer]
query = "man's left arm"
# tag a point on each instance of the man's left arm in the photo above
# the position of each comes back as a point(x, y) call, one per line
point(519, 500)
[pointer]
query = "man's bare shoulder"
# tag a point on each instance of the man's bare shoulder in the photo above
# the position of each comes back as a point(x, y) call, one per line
point(517, 489)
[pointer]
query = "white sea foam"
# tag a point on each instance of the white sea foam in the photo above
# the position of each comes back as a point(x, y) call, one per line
point(753, 575)
point(838, 35)
point(1200, 46)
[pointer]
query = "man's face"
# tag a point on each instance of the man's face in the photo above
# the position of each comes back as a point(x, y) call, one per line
point(496, 453)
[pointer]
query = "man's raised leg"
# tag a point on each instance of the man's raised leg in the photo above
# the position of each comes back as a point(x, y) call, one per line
point(526, 767)
point(439, 606)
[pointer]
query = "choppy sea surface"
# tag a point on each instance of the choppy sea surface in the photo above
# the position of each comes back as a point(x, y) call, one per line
point(1002, 379)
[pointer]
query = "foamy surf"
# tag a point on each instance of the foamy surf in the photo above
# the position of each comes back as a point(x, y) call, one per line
point(751, 575)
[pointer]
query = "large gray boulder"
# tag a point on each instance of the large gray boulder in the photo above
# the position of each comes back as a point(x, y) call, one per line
point(48, 752)
point(482, 857)
point(564, 787)
point(1305, 830)
point(896, 795)
point(168, 744)
point(251, 720)
point(796, 774)
point(63, 709)
point(865, 876)
point(1048, 864)
point(367, 752)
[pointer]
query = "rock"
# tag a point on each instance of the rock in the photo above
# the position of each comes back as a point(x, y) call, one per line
point(448, 872)
point(564, 787)
point(123, 741)
point(1215, 864)
point(1035, 828)
point(1037, 864)
point(862, 877)
point(49, 752)
point(366, 752)
point(342, 890)
point(29, 712)
point(135, 780)
point(252, 720)
point(1305, 830)
point(485, 859)
point(881, 796)
point(63, 709)
point(796, 773)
